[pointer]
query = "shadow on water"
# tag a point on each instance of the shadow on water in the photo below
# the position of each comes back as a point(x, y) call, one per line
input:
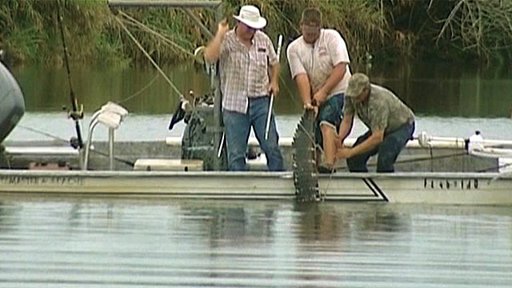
point(431, 89)
point(322, 221)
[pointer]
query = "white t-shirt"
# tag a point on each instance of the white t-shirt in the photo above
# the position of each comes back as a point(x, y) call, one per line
point(317, 60)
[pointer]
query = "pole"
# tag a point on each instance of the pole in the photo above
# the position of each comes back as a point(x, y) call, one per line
point(76, 114)
point(218, 133)
point(269, 115)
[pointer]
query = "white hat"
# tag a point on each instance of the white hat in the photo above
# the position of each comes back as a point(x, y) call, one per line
point(250, 16)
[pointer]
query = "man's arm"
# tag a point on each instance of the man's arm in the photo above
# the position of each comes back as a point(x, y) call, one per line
point(304, 89)
point(345, 127)
point(299, 75)
point(274, 81)
point(212, 50)
point(337, 50)
point(370, 143)
point(379, 116)
point(337, 74)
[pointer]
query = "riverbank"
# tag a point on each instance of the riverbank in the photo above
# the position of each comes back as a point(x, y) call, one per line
point(390, 30)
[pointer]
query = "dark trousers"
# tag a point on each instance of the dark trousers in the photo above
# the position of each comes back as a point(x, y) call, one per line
point(388, 150)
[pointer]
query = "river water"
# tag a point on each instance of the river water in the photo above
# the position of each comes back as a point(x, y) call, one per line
point(176, 243)
point(77, 242)
point(107, 242)
point(449, 100)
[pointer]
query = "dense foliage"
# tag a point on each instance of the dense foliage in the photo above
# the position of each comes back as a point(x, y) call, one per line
point(389, 30)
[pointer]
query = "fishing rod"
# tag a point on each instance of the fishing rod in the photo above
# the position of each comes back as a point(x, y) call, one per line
point(75, 114)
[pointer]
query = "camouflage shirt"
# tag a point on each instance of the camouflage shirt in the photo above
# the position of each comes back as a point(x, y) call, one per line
point(383, 110)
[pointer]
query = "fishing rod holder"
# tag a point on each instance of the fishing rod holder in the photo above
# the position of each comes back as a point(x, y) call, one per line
point(76, 115)
point(110, 115)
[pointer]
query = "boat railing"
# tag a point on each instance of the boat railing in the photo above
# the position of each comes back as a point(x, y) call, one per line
point(111, 115)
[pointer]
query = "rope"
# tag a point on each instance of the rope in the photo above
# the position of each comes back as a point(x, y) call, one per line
point(173, 87)
point(44, 134)
point(159, 35)
point(64, 141)
point(495, 168)
point(501, 175)
point(140, 90)
point(419, 159)
point(144, 27)
point(310, 137)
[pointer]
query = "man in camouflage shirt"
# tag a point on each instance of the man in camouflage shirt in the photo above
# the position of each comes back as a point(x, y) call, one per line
point(389, 120)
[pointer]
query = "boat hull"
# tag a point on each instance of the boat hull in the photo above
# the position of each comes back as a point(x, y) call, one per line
point(433, 188)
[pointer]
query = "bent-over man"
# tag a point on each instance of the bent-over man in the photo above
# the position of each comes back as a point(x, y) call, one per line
point(389, 120)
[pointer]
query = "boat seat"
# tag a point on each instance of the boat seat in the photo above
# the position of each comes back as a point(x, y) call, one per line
point(168, 165)
point(48, 151)
point(40, 157)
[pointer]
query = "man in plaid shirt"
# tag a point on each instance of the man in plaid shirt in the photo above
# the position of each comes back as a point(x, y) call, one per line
point(245, 55)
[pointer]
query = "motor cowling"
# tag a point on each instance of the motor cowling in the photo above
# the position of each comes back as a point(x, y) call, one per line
point(12, 102)
point(198, 140)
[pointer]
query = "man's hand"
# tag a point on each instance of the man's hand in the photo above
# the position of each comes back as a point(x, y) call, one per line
point(309, 106)
point(273, 88)
point(223, 27)
point(212, 50)
point(319, 97)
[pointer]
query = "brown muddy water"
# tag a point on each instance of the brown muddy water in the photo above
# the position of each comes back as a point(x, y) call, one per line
point(77, 242)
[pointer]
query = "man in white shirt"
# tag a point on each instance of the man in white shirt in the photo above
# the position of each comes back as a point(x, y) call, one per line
point(319, 65)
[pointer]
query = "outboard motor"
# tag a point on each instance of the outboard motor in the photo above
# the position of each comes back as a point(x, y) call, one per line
point(198, 138)
point(12, 103)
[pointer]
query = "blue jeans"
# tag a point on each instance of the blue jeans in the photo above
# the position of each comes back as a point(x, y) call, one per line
point(388, 150)
point(238, 128)
point(331, 111)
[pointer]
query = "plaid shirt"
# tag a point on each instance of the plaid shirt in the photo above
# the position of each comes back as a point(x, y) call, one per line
point(244, 72)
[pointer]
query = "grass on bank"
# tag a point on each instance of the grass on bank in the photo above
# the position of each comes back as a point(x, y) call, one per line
point(454, 30)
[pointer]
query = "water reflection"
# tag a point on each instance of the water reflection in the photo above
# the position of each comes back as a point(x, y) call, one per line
point(431, 89)
point(319, 223)
point(229, 225)
point(177, 243)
